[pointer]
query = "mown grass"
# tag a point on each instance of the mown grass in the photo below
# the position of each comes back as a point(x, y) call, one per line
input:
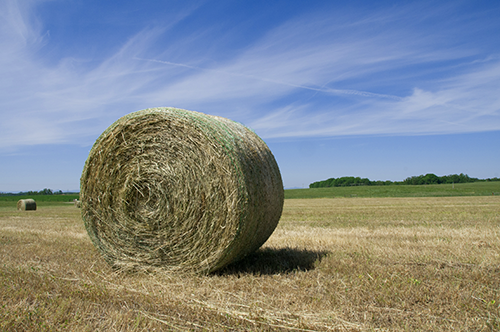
point(343, 264)
point(436, 190)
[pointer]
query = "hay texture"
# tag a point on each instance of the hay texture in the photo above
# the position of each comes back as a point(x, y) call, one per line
point(176, 190)
point(26, 204)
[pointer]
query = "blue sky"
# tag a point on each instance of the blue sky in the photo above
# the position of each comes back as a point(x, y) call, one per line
point(383, 90)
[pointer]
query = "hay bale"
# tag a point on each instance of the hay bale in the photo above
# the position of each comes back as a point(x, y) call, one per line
point(77, 203)
point(176, 190)
point(26, 204)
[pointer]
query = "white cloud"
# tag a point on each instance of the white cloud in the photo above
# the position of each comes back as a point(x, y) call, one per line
point(314, 75)
point(43, 104)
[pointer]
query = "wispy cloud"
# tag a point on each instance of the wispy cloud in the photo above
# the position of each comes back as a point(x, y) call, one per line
point(73, 100)
point(464, 103)
point(315, 75)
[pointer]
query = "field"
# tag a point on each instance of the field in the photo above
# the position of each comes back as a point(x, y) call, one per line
point(433, 190)
point(342, 264)
point(39, 198)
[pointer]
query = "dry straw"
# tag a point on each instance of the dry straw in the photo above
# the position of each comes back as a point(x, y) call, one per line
point(26, 204)
point(181, 191)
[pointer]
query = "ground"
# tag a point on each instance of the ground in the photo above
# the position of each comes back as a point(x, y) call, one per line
point(342, 264)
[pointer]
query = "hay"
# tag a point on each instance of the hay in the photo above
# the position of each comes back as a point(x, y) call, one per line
point(26, 204)
point(181, 191)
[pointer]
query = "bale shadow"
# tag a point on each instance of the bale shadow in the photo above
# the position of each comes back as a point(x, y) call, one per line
point(269, 261)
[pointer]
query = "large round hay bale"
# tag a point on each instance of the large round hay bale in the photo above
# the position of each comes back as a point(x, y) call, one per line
point(26, 204)
point(176, 190)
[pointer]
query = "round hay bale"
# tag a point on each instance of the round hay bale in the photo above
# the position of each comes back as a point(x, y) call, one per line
point(26, 204)
point(181, 191)
point(77, 203)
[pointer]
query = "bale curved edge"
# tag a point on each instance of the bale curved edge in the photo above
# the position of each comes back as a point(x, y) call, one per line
point(180, 191)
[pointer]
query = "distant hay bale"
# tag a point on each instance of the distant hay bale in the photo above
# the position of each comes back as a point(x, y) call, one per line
point(78, 204)
point(26, 204)
point(180, 191)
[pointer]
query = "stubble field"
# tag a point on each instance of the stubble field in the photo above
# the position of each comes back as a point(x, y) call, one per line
point(343, 264)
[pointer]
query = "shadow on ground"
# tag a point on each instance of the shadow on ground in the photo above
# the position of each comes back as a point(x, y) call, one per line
point(275, 261)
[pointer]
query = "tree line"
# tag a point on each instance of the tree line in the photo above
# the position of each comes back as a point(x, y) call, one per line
point(45, 191)
point(413, 180)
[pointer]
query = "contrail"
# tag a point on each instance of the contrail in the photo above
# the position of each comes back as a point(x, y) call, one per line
point(324, 90)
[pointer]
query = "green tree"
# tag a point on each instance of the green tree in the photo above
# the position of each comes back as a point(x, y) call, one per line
point(430, 179)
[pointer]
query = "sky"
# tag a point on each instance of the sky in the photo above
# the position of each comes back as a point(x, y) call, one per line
point(382, 90)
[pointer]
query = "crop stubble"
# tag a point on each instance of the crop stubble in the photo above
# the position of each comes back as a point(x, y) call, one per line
point(332, 264)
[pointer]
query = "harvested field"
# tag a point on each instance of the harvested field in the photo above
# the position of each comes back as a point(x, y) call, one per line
point(346, 264)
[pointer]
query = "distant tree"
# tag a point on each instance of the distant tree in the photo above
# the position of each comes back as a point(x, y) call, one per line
point(428, 178)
